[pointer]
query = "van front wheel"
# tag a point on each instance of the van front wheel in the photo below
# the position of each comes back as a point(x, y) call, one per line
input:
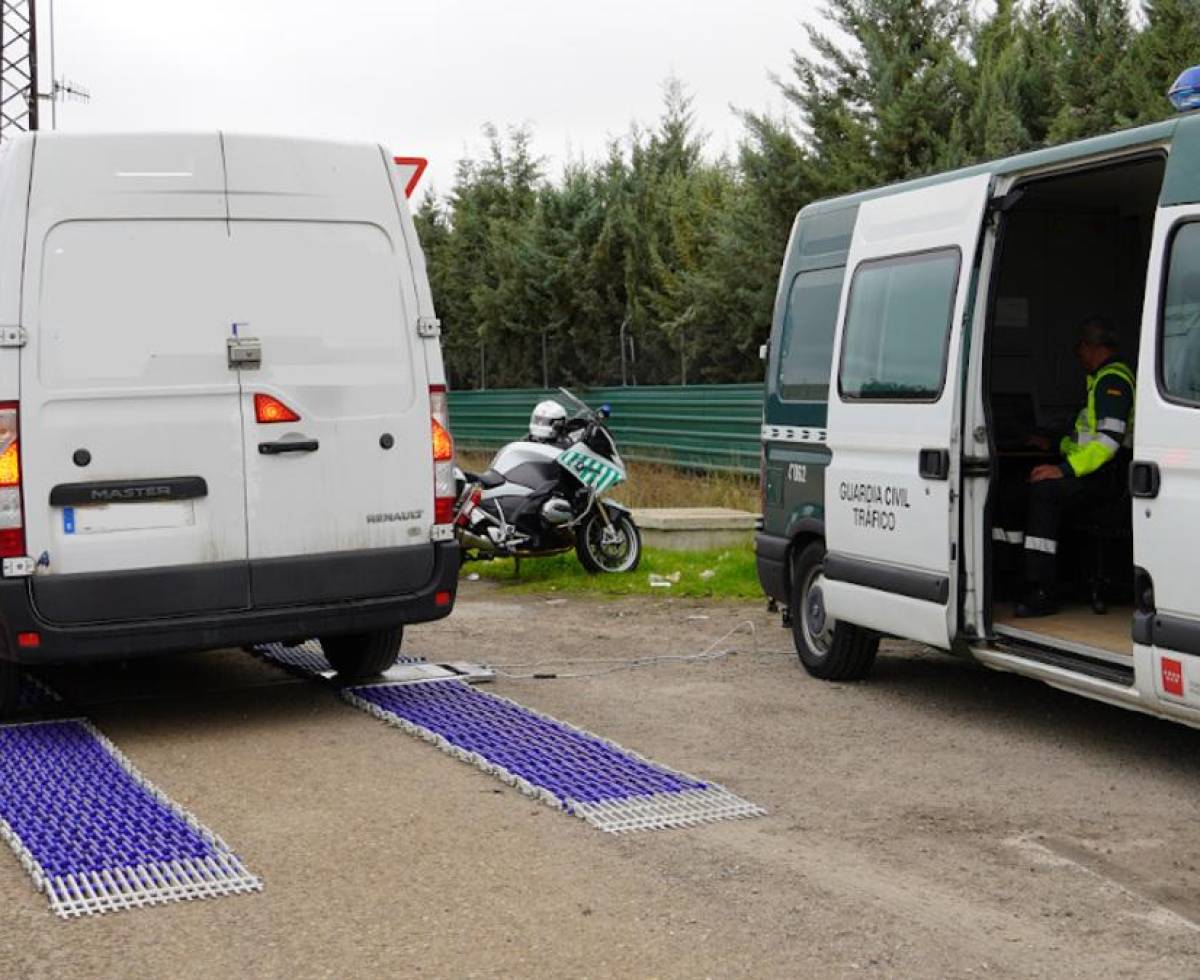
point(358, 656)
point(829, 650)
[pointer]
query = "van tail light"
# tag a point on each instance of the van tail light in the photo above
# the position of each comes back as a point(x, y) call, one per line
point(443, 456)
point(12, 518)
point(268, 410)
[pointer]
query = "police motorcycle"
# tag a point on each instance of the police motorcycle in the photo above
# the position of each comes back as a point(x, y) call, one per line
point(544, 495)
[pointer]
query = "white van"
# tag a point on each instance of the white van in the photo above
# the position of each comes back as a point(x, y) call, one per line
point(921, 332)
point(222, 401)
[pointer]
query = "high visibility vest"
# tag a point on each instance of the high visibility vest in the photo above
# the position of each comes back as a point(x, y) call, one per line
point(1087, 426)
point(1098, 439)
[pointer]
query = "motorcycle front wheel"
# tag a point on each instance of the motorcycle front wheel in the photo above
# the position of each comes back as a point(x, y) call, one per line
point(614, 545)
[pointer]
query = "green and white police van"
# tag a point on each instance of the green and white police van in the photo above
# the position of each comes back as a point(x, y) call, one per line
point(921, 331)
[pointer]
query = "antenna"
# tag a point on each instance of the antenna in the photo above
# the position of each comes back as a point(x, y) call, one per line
point(65, 90)
point(61, 89)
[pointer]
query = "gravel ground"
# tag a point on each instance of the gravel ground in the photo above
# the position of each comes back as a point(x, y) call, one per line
point(940, 820)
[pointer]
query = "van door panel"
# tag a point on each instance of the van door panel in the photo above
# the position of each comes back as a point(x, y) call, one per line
point(892, 533)
point(325, 301)
point(125, 389)
point(1166, 472)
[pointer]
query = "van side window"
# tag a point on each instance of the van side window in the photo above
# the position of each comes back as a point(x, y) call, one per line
point(807, 342)
point(1180, 341)
point(897, 326)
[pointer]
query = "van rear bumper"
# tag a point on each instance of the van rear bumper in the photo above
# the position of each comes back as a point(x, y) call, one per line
point(771, 556)
point(103, 641)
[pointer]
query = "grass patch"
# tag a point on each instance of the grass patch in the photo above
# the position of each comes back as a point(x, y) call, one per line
point(719, 574)
point(657, 485)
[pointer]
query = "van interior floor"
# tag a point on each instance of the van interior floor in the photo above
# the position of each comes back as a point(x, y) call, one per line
point(1074, 624)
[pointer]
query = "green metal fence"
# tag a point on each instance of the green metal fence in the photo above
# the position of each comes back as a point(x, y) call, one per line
point(711, 427)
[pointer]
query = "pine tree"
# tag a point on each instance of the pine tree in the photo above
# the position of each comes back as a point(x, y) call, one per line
point(1012, 90)
point(890, 103)
point(1169, 43)
point(1093, 75)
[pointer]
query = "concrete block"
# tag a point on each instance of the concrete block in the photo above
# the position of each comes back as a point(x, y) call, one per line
point(695, 528)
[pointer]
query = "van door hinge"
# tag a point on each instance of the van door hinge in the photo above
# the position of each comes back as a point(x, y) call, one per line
point(18, 567)
point(429, 326)
point(244, 352)
point(13, 337)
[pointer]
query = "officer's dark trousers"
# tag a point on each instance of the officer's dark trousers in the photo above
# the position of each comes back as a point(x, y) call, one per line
point(1045, 504)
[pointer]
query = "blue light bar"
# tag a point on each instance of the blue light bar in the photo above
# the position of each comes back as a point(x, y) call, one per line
point(1185, 93)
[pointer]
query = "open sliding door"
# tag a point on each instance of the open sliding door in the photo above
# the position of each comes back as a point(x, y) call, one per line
point(1165, 475)
point(892, 488)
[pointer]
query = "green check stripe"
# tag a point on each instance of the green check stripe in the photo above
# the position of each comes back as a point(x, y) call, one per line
point(593, 473)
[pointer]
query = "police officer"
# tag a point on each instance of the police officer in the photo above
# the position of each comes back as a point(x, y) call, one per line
point(1090, 470)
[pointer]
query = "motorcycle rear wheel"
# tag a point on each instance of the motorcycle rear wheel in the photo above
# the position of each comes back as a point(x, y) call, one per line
point(614, 546)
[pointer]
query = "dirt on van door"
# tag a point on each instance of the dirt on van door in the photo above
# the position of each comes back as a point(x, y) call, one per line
point(937, 820)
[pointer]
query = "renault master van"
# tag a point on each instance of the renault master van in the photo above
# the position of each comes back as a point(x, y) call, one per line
point(921, 331)
point(222, 401)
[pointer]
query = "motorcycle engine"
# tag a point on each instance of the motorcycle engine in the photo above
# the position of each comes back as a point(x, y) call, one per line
point(556, 511)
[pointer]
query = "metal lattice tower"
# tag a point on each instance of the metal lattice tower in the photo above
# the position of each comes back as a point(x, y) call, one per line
point(18, 67)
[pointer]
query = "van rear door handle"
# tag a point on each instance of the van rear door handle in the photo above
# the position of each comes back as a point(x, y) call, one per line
point(934, 464)
point(1145, 479)
point(288, 446)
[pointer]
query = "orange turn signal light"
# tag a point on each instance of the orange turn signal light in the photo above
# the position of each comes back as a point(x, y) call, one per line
point(443, 445)
point(268, 409)
point(10, 466)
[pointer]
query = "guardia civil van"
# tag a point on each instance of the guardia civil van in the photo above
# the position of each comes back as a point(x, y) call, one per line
point(921, 332)
point(222, 401)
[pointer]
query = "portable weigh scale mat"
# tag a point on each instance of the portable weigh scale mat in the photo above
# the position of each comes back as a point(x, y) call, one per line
point(613, 789)
point(94, 834)
point(570, 769)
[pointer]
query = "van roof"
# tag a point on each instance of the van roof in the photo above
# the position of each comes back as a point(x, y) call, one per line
point(1182, 132)
point(210, 174)
point(167, 135)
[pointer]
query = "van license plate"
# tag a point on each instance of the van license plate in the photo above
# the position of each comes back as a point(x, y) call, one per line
point(112, 518)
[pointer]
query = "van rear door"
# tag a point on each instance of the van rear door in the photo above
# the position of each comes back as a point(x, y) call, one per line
point(339, 493)
point(895, 408)
point(130, 419)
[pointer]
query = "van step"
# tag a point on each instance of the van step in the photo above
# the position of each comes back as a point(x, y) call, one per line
point(1079, 663)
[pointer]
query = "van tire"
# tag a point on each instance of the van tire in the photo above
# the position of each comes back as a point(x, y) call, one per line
point(358, 656)
point(829, 651)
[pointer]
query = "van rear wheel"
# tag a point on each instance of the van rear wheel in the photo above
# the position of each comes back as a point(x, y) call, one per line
point(10, 685)
point(358, 656)
point(829, 650)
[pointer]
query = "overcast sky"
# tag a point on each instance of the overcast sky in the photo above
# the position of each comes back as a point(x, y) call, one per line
point(422, 78)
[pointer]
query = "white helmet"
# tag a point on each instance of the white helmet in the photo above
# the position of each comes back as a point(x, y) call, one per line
point(545, 421)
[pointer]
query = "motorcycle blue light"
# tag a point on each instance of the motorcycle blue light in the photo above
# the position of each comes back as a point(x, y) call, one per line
point(1185, 93)
point(606, 410)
